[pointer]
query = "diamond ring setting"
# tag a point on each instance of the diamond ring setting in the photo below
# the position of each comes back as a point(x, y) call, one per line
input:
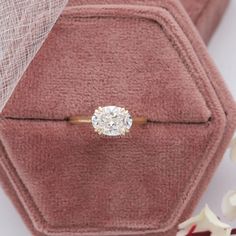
point(109, 120)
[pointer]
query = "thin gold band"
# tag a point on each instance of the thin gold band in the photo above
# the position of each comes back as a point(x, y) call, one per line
point(77, 120)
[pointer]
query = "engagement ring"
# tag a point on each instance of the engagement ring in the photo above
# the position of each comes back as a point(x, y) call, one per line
point(110, 120)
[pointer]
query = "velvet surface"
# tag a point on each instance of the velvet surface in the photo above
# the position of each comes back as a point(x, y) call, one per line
point(205, 14)
point(113, 59)
point(70, 181)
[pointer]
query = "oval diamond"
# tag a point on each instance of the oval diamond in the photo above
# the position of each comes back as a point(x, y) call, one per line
point(111, 120)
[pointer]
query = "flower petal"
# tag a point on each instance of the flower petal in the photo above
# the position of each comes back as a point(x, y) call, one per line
point(229, 205)
point(205, 221)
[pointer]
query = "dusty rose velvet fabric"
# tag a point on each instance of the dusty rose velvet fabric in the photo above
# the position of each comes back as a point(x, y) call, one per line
point(67, 180)
point(206, 15)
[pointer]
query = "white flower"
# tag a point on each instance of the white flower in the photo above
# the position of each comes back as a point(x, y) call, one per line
point(229, 205)
point(233, 150)
point(205, 221)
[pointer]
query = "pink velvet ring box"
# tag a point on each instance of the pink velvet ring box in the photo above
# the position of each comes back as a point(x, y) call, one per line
point(149, 58)
point(205, 14)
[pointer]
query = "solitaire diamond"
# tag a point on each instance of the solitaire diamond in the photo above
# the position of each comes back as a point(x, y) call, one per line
point(111, 120)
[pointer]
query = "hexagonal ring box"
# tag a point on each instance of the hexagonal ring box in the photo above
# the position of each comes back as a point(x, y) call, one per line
point(66, 179)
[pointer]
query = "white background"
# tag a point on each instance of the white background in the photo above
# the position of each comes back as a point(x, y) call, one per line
point(223, 49)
